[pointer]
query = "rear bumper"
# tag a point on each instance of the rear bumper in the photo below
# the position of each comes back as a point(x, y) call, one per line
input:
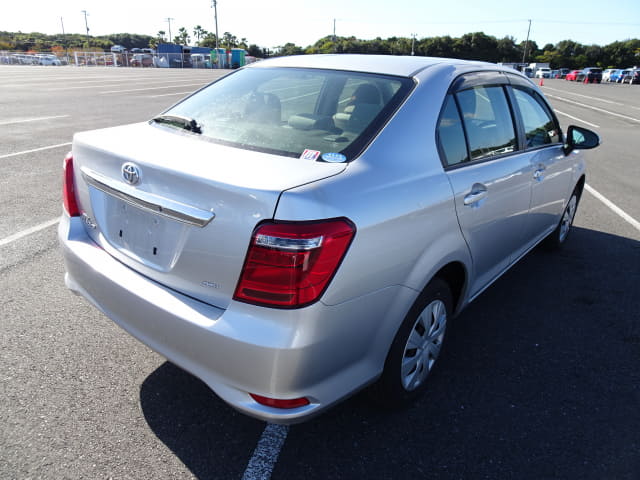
point(320, 352)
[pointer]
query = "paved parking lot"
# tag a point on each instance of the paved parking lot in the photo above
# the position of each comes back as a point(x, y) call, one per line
point(541, 379)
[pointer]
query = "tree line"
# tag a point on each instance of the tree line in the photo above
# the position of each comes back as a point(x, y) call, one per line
point(471, 46)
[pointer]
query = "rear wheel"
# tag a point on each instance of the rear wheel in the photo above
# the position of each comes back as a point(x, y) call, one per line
point(416, 347)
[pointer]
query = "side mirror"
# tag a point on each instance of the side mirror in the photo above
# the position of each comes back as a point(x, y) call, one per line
point(581, 138)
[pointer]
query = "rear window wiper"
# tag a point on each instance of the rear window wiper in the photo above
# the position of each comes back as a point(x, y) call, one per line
point(179, 121)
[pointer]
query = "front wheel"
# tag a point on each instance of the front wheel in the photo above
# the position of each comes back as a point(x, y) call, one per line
point(558, 237)
point(416, 347)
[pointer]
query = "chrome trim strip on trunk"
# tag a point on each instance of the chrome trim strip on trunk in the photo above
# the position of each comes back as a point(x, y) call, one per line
point(149, 201)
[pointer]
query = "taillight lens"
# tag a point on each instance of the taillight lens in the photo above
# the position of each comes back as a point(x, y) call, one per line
point(68, 188)
point(289, 265)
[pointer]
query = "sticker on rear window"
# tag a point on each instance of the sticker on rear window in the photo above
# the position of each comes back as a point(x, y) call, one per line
point(334, 157)
point(310, 154)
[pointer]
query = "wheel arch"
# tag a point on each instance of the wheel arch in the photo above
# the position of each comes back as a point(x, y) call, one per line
point(455, 275)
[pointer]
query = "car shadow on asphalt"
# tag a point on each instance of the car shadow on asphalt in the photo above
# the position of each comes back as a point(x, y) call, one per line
point(540, 380)
point(209, 437)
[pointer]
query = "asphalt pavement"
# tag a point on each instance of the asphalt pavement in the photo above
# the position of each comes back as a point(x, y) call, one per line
point(541, 379)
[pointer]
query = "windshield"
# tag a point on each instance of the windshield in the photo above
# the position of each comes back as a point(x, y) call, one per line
point(293, 111)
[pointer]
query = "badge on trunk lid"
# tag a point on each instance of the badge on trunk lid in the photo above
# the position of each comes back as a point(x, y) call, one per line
point(131, 173)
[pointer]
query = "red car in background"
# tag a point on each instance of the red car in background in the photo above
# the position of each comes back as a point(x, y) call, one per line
point(573, 75)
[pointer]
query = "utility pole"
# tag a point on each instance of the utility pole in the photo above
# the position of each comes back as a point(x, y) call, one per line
point(168, 19)
point(86, 25)
point(215, 16)
point(335, 47)
point(526, 44)
point(66, 49)
point(413, 42)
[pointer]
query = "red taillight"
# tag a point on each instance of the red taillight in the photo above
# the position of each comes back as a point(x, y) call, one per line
point(280, 403)
point(289, 265)
point(69, 189)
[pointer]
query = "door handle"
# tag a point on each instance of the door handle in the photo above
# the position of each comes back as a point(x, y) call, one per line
point(478, 192)
point(539, 173)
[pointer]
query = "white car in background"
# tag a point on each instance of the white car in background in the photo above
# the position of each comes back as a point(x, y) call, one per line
point(543, 73)
point(45, 59)
point(606, 74)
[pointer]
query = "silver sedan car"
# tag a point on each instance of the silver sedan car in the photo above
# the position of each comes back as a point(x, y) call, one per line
point(308, 226)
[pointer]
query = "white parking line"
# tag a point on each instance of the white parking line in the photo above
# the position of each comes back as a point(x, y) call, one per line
point(595, 108)
point(577, 119)
point(154, 88)
point(265, 455)
point(141, 81)
point(169, 94)
point(11, 122)
point(28, 231)
point(584, 96)
point(24, 152)
point(36, 84)
point(613, 207)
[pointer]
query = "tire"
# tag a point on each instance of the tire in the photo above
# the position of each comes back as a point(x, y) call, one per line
point(558, 237)
point(416, 347)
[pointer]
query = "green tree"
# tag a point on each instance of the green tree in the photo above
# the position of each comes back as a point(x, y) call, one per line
point(289, 49)
point(255, 51)
point(436, 47)
point(209, 40)
point(183, 37)
point(229, 40)
point(199, 33)
point(507, 50)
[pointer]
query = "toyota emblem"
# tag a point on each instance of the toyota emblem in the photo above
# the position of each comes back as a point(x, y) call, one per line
point(130, 173)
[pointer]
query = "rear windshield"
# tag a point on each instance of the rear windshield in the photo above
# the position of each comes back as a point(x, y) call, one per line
point(292, 111)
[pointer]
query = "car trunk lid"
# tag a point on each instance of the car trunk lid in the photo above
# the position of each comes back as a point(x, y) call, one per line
point(177, 208)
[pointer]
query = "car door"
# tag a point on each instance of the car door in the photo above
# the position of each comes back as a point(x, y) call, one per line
point(489, 178)
point(551, 169)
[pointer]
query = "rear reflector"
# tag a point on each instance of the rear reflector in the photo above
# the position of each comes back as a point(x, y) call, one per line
point(289, 265)
point(68, 188)
point(280, 403)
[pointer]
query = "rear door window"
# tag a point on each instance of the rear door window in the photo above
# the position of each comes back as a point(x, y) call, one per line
point(487, 121)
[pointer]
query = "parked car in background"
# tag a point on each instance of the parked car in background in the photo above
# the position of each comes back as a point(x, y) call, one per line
point(528, 72)
point(562, 72)
point(592, 75)
point(606, 74)
point(307, 226)
point(23, 59)
point(543, 73)
point(573, 75)
point(142, 60)
point(632, 77)
point(200, 60)
point(618, 75)
point(47, 59)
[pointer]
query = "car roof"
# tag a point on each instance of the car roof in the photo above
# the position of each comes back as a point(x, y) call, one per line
point(405, 66)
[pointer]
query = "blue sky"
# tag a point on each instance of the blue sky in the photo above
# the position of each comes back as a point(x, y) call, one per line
point(270, 23)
